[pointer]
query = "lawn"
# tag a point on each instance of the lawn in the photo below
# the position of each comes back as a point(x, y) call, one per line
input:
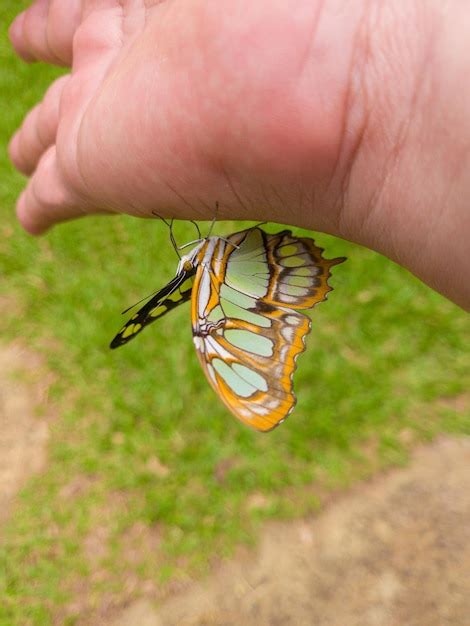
point(143, 459)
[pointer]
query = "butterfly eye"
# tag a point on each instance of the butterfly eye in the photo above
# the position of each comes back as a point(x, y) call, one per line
point(187, 266)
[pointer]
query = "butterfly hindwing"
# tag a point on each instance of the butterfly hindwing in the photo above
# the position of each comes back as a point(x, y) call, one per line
point(247, 326)
point(177, 291)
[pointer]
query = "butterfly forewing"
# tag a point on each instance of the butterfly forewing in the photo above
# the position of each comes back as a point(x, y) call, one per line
point(177, 291)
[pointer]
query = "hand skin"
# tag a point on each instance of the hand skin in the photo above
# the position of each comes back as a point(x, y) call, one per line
point(346, 117)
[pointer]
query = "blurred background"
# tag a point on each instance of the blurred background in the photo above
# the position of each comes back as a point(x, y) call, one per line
point(122, 477)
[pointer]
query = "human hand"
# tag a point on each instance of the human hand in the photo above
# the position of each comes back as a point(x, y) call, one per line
point(350, 118)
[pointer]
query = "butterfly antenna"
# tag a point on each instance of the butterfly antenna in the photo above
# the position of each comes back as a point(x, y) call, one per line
point(197, 228)
point(173, 240)
point(136, 303)
point(214, 219)
point(170, 227)
point(211, 228)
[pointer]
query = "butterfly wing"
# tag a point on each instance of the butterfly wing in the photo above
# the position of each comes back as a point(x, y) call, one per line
point(177, 291)
point(247, 326)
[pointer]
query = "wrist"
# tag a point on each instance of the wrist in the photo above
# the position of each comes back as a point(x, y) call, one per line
point(413, 145)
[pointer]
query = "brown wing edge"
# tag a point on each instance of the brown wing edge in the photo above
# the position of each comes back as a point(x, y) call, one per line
point(330, 263)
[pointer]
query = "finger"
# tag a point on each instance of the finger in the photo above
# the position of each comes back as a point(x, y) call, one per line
point(38, 131)
point(18, 40)
point(45, 31)
point(93, 6)
point(100, 34)
point(64, 19)
point(47, 199)
point(33, 32)
point(26, 147)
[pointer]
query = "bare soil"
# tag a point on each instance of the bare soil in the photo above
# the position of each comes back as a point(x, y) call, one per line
point(392, 552)
point(23, 434)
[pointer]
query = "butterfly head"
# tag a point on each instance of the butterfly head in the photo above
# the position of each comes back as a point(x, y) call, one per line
point(189, 261)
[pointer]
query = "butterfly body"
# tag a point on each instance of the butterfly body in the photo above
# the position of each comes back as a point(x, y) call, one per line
point(246, 295)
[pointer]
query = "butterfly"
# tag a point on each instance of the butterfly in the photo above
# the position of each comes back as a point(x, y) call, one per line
point(247, 292)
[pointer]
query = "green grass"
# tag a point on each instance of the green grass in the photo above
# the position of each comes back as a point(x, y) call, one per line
point(140, 433)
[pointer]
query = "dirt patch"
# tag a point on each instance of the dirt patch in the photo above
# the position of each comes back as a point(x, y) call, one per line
point(23, 435)
point(394, 551)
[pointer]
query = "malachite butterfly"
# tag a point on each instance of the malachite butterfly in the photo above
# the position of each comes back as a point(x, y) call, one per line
point(247, 292)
